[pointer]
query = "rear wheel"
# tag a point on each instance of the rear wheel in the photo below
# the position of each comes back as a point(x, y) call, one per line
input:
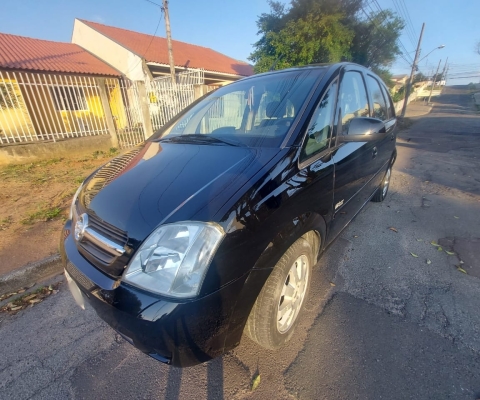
point(382, 191)
point(275, 314)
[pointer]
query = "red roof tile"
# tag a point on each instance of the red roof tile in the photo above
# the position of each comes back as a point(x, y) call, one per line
point(184, 54)
point(19, 52)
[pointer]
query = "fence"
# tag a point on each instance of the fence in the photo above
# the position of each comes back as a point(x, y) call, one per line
point(166, 99)
point(36, 107)
point(126, 108)
point(49, 107)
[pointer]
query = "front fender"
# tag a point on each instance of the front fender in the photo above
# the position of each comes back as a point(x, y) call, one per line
point(310, 225)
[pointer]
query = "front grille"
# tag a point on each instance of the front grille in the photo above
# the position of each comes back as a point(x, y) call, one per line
point(99, 254)
point(109, 231)
point(79, 277)
point(102, 257)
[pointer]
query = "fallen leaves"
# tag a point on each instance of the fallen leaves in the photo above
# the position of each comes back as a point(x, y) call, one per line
point(332, 284)
point(450, 253)
point(413, 255)
point(255, 382)
point(393, 229)
point(22, 290)
point(461, 269)
point(434, 244)
point(429, 262)
point(456, 217)
point(29, 299)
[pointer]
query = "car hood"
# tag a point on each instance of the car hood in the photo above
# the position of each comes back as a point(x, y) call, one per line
point(166, 182)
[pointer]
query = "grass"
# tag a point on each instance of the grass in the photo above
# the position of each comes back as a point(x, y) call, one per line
point(62, 175)
point(113, 151)
point(45, 214)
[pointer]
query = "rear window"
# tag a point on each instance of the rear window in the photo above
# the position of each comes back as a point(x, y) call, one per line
point(379, 105)
point(390, 108)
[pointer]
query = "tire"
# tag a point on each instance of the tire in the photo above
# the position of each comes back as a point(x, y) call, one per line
point(265, 325)
point(382, 190)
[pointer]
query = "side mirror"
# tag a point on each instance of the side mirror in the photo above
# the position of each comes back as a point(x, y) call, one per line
point(364, 129)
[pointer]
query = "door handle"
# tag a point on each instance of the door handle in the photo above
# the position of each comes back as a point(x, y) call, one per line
point(374, 152)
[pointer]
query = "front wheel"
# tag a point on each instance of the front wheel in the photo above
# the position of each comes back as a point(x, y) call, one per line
point(275, 313)
point(382, 191)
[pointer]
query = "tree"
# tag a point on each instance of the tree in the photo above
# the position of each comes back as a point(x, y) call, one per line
point(375, 41)
point(319, 31)
point(419, 78)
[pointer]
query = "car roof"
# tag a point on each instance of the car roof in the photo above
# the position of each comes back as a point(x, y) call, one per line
point(320, 66)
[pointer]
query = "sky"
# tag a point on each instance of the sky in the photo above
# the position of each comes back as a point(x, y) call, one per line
point(229, 26)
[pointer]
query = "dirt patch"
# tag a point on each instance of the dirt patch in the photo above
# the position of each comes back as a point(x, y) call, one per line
point(35, 200)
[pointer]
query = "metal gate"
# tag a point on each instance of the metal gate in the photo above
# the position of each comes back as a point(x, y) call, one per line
point(166, 99)
point(126, 111)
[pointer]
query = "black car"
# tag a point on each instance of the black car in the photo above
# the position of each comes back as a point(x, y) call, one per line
point(212, 226)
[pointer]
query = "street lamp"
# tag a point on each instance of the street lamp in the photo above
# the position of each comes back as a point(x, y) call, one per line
point(423, 58)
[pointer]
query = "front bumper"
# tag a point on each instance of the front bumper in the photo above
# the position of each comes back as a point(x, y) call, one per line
point(180, 333)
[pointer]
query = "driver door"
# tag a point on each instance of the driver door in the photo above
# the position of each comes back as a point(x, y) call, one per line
point(354, 161)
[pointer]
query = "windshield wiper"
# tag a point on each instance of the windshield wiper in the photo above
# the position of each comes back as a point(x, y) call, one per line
point(201, 139)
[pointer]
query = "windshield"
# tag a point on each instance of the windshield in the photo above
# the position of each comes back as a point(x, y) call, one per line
point(255, 112)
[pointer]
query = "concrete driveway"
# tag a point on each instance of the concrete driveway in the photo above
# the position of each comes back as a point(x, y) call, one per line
point(389, 315)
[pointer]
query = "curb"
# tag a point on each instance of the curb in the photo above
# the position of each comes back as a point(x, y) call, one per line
point(31, 274)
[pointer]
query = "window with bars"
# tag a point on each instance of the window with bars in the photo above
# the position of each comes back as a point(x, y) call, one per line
point(68, 98)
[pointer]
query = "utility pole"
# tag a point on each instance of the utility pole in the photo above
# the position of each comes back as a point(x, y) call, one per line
point(169, 41)
point(444, 69)
point(433, 84)
point(412, 74)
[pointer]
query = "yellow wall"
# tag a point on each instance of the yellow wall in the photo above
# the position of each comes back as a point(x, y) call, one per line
point(14, 121)
point(37, 113)
point(116, 104)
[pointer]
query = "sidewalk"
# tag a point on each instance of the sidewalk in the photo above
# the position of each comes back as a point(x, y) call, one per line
point(417, 109)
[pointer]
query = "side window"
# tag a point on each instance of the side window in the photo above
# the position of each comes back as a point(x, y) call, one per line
point(390, 109)
point(353, 98)
point(379, 105)
point(320, 128)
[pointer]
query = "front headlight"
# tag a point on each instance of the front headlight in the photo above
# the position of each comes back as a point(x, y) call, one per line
point(174, 259)
point(72, 206)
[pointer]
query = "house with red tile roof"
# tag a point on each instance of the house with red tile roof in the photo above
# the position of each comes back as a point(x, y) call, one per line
point(51, 90)
point(140, 56)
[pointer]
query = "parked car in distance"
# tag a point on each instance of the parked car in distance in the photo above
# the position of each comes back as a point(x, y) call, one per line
point(211, 228)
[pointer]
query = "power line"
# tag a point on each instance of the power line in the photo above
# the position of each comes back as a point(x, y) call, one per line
point(402, 55)
point(407, 24)
point(409, 19)
point(410, 33)
point(462, 77)
point(405, 51)
point(151, 40)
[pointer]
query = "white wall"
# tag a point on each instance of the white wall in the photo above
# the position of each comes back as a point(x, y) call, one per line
point(107, 50)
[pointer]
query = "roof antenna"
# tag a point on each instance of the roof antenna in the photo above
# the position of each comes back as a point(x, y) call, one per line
point(272, 68)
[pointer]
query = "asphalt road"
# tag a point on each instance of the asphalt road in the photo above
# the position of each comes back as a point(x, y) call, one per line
point(392, 327)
